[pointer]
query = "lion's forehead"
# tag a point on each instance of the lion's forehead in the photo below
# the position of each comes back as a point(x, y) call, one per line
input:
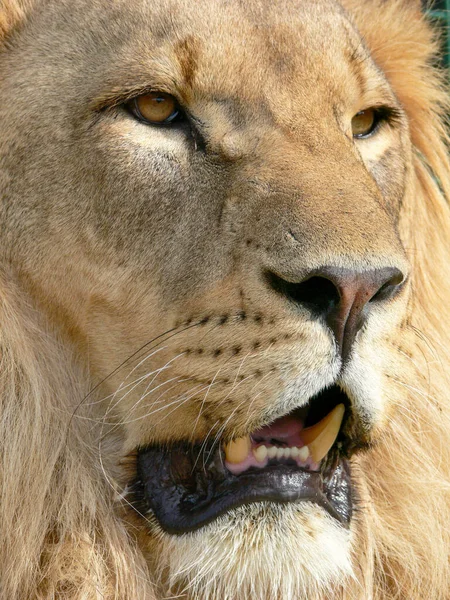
point(271, 54)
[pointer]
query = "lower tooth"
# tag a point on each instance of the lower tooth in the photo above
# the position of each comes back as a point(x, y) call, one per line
point(260, 453)
point(272, 452)
point(303, 453)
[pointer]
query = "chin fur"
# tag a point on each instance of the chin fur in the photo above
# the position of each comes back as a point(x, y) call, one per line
point(270, 551)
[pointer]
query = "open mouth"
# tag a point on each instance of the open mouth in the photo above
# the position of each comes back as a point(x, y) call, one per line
point(299, 457)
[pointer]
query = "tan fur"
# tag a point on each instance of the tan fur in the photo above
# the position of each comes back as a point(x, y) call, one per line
point(12, 15)
point(96, 261)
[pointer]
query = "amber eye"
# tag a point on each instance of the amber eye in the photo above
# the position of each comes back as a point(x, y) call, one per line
point(364, 123)
point(156, 108)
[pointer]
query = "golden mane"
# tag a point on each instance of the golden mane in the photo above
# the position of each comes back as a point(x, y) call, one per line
point(61, 536)
point(413, 561)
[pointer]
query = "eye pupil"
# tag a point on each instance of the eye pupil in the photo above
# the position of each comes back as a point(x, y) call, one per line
point(156, 107)
point(364, 123)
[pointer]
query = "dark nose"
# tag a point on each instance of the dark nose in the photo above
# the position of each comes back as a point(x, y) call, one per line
point(341, 296)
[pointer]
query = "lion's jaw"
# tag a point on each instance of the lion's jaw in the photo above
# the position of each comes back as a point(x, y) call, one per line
point(265, 551)
point(187, 267)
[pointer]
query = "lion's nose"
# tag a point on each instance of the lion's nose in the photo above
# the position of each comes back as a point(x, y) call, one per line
point(341, 296)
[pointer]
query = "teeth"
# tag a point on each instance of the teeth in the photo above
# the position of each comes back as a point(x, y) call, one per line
point(272, 452)
point(237, 450)
point(260, 453)
point(263, 452)
point(318, 440)
point(321, 437)
point(303, 453)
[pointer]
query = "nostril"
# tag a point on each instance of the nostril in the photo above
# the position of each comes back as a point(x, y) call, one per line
point(317, 294)
point(389, 288)
point(340, 296)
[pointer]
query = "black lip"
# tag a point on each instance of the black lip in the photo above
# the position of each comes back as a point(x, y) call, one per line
point(185, 490)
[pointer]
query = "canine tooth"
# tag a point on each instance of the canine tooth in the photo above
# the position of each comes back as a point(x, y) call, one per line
point(303, 453)
point(260, 453)
point(237, 450)
point(321, 437)
point(280, 452)
point(272, 451)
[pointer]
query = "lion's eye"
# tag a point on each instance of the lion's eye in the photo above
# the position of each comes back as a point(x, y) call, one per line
point(156, 108)
point(364, 123)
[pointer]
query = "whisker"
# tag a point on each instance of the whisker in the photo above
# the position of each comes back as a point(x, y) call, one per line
point(135, 384)
point(124, 386)
point(428, 341)
point(258, 383)
point(202, 447)
point(116, 424)
point(126, 422)
point(206, 395)
point(160, 409)
point(172, 333)
point(157, 372)
point(222, 429)
point(412, 389)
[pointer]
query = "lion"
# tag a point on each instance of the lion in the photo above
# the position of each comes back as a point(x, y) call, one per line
point(224, 283)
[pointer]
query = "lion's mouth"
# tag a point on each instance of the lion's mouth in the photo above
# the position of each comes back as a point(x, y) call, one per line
point(299, 457)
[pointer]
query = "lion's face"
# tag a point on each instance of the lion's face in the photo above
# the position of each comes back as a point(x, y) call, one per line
point(233, 277)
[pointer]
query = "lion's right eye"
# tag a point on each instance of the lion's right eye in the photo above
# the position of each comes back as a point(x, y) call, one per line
point(155, 108)
point(364, 123)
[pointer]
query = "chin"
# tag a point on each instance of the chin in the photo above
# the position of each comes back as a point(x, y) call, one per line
point(265, 550)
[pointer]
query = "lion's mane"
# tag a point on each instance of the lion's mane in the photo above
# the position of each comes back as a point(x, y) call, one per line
point(61, 536)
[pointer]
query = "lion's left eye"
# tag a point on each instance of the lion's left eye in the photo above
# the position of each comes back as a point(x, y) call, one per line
point(155, 108)
point(364, 123)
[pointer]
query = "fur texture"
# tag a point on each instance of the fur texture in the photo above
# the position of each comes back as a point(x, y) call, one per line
point(128, 319)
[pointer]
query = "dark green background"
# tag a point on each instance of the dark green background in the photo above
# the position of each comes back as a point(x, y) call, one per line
point(441, 12)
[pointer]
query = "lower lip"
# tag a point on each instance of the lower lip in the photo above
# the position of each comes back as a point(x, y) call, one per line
point(186, 495)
